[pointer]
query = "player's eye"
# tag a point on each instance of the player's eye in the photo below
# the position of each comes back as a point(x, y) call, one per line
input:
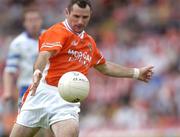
point(76, 16)
point(85, 17)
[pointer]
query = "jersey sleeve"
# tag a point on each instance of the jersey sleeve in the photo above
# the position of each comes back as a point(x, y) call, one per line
point(97, 58)
point(52, 40)
point(13, 58)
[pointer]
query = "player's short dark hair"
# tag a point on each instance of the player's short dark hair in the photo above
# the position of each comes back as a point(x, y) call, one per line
point(31, 9)
point(80, 3)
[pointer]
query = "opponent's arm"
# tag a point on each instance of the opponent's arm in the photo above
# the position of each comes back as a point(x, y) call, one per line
point(115, 70)
point(10, 71)
point(8, 84)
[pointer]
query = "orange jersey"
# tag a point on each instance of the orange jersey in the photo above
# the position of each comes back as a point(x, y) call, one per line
point(75, 52)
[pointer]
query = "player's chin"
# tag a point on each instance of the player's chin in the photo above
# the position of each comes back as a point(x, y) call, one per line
point(147, 80)
point(79, 29)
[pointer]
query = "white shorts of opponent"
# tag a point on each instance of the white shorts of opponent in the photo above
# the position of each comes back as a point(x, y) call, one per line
point(46, 108)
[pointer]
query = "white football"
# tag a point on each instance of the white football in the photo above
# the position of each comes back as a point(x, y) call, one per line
point(73, 86)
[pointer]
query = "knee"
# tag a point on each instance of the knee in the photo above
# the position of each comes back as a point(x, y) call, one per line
point(67, 128)
point(75, 130)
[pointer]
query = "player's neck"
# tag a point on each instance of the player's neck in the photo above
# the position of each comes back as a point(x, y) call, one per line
point(33, 35)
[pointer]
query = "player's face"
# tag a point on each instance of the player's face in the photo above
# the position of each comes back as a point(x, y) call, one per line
point(33, 22)
point(78, 18)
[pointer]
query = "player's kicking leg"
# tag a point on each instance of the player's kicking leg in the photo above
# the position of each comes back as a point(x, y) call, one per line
point(22, 131)
point(66, 128)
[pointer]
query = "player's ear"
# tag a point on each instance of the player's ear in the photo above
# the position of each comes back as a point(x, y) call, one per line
point(24, 24)
point(66, 12)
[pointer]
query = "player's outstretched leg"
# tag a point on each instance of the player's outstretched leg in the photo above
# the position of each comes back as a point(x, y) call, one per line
point(66, 128)
point(22, 131)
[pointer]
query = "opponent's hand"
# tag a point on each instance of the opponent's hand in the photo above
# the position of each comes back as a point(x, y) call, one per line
point(6, 96)
point(145, 73)
point(36, 79)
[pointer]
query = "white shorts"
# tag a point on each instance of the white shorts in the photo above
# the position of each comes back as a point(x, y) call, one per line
point(46, 108)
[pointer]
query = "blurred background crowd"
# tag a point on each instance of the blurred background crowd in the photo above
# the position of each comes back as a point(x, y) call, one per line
point(133, 33)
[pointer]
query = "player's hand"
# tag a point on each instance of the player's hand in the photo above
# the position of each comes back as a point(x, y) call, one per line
point(6, 96)
point(146, 73)
point(36, 79)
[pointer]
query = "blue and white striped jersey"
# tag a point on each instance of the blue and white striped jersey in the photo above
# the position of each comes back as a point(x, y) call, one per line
point(21, 57)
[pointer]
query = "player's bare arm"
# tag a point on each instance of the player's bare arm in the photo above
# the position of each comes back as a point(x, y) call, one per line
point(115, 70)
point(39, 66)
point(8, 82)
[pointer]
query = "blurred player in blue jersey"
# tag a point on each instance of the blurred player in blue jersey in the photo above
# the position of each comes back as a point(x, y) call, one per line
point(22, 53)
